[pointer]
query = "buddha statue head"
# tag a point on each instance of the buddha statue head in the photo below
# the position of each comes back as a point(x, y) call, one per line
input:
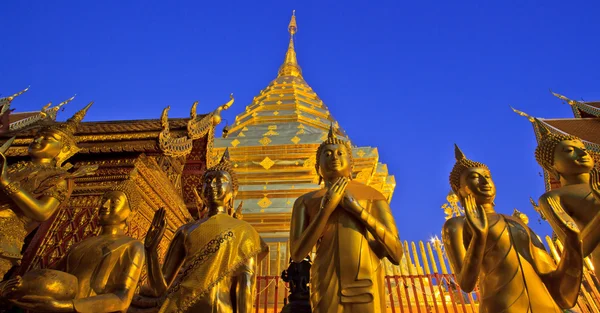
point(219, 186)
point(118, 203)
point(471, 178)
point(56, 143)
point(562, 154)
point(334, 158)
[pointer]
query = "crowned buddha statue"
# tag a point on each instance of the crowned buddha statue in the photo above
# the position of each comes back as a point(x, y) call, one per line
point(566, 158)
point(103, 270)
point(210, 265)
point(353, 229)
point(31, 191)
point(514, 271)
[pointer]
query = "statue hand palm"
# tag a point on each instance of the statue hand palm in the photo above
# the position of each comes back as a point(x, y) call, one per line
point(156, 231)
point(595, 183)
point(334, 195)
point(475, 216)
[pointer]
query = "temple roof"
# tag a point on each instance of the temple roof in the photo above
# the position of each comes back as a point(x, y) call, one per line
point(581, 109)
point(587, 129)
point(110, 136)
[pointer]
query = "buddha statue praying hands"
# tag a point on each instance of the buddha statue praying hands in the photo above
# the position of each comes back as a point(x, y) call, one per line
point(352, 226)
point(99, 274)
point(32, 191)
point(514, 271)
point(567, 159)
point(210, 265)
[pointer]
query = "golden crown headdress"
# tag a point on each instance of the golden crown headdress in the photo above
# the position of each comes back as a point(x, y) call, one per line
point(67, 131)
point(544, 152)
point(462, 163)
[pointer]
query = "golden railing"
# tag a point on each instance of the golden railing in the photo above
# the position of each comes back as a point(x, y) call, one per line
point(423, 283)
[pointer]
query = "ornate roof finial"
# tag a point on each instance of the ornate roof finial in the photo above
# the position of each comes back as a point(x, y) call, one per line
point(530, 118)
point(5, 102)
point(565, 99)
point(11, 98)
point(290, 66)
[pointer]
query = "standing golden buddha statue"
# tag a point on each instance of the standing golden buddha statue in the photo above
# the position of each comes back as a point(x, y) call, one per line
point(515, 272)
point(106, 267)
point(352, 226)
point(211, 263)
point(566, 158)
point(31, 191)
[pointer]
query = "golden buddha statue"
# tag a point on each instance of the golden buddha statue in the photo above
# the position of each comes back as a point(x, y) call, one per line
point(106, 267)
point(211, 263)
point(566, 158)
point(515, 272)
point(352, 226)
point(32, 191)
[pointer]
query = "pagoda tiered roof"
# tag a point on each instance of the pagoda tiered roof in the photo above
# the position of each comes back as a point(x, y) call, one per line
point(273, 145)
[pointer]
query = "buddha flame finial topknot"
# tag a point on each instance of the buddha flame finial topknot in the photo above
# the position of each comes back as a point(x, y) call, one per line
point(462, 163)
point(544, 152)
point(226, 166)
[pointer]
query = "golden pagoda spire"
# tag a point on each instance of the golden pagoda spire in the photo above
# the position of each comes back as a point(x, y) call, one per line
point(290, 66)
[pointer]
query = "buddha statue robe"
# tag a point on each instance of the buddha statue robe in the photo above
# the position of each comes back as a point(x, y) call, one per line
point(348, 277)
point(514, 269)
point(217, 249)
point(107, 269)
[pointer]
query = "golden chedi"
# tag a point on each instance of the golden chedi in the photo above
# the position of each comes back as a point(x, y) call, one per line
point(514, 271)
point(353, 229)
point(32, 191)
point(211, 263)
point(566, 158)
point(105, 268)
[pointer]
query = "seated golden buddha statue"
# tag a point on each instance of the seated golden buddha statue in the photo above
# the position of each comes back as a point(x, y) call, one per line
point(106, 267)
point(353, 229)
point(566, 158)
point(515, 272)
point(211, 263)
point(31, 191)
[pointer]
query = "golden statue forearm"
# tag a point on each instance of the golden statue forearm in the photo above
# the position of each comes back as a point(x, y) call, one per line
point(304, 234)
point(561, 278)
point(159, 279)
point(381, 226)
point(38, 209)
point(466, 264)
point(246, 285)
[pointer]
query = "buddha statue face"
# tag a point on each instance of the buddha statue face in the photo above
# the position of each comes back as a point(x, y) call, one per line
point(477, 181)
point(217, 189)
point(115, 208)
point(47, 144)
point(571, 158)
point(334, 161)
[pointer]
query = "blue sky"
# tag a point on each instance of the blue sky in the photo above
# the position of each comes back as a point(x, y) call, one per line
point(409, 77)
